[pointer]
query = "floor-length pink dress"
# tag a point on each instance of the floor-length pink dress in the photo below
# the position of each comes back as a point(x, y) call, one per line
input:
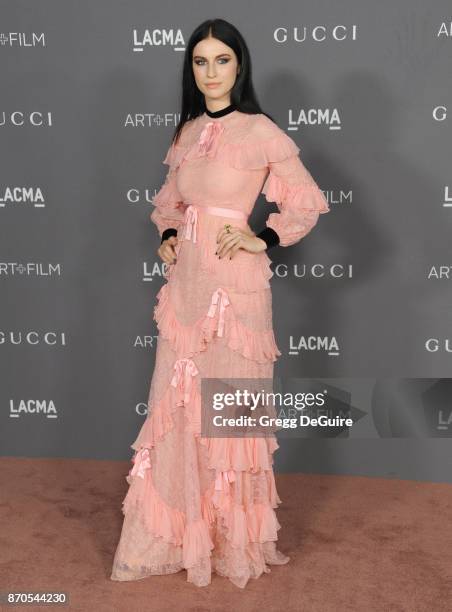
point(196, 503)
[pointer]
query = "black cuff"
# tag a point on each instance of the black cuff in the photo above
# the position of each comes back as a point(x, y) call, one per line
point(170, 231)
point(269, 236)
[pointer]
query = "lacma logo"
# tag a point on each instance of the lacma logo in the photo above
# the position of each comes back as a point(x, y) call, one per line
point(22, 195)
point(314, 343)
point(155, 270)
point(158, 38)
point(32, 407)
point(314, 116)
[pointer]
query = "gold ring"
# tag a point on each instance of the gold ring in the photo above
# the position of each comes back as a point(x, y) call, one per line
point(228, 228)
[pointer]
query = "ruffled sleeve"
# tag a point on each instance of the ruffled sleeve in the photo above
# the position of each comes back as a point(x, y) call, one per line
point(169, 206)
point(290, 185)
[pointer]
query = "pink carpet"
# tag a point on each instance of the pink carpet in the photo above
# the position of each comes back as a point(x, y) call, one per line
point(364, 544)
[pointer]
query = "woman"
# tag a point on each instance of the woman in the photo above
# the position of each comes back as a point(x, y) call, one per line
point(198, 503)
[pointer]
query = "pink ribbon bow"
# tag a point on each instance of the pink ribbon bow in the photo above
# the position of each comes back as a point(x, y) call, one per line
point(208, 140)
point(141, 461)
point(191, 222)
point(223, 479)
point(185, 369)
point(219, 299)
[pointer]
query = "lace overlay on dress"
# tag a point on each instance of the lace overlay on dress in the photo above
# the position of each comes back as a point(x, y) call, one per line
point(208, 505)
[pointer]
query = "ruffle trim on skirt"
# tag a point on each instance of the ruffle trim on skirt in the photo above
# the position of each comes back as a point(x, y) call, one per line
point(242, 525)
point(164, 521)
point(250, 531)
point(249, 454)
point(188, 340)
point(225, 454)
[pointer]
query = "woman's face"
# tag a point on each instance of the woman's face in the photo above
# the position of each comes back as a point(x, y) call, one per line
point(215, 64)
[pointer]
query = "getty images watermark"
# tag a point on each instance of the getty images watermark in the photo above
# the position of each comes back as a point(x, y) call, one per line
point(326, 408)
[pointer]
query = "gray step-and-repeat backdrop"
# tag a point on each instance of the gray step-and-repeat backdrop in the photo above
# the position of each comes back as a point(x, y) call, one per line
point(363, 304)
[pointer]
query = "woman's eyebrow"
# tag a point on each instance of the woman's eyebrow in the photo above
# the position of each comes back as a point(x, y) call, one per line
point(202, 57)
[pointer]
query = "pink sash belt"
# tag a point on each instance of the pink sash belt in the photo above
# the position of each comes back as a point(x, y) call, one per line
point(224, 212)
point(191, 217)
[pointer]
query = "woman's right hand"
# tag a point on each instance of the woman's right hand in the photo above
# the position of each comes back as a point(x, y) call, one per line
point(166, 250)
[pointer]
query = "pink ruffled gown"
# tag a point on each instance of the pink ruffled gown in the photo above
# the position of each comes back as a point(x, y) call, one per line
point(208, 504)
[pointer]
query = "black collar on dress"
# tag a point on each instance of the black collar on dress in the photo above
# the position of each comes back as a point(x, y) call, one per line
point(221, 112)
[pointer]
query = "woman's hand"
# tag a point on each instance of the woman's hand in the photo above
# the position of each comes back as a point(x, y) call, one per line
point(166, 250)
point(230, 243)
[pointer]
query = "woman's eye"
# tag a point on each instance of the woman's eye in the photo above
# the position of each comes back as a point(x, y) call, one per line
point(222, 60)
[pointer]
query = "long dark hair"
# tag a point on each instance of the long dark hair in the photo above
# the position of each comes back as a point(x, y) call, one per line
point(242, 93)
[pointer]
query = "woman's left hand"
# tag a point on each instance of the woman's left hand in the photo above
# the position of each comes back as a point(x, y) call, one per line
point(230, 242)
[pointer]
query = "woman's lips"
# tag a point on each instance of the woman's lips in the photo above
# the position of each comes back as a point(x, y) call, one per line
point(212, 85)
